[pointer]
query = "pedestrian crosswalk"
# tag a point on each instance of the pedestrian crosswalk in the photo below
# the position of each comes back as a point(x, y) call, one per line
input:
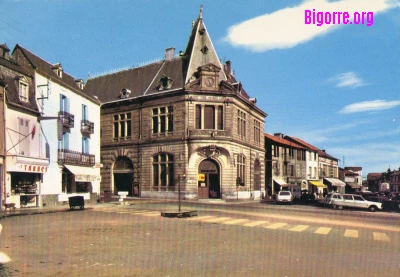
point(245, 222)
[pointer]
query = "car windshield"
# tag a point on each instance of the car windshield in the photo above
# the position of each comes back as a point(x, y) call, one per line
point(284, 193)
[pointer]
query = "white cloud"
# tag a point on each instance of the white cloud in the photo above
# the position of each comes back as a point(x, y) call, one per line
point(369, 106)
point(286, 28)
point(347, 79)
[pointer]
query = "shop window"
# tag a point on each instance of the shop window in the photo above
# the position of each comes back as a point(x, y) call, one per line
point(163, 119)
point(163, 170)
point(122, 126)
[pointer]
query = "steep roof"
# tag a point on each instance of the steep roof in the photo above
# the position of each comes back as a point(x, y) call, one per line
point(11, 77)
point(145, 80)
point(283, 141)
point(45, 68)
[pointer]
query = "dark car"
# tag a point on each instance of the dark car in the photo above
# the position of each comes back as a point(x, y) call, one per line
point(392, 204)
point(307, 198)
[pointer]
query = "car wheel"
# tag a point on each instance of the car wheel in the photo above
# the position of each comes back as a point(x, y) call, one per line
point(340, 207)
point(372, 208)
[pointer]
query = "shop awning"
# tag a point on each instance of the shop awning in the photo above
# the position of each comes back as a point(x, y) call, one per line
point(279, 181)
point(84, 174)
point(318, 184)
point(290, 186)
point(336, 182)
point(354, 185)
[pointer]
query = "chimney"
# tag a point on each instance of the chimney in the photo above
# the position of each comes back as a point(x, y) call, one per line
point(323, 150)
point(228, 66)
point(169, 53)
point(4, 51)
point(279, 135)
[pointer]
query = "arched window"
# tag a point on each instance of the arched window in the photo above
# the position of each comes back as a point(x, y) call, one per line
point(163, 170)
point(241, 168)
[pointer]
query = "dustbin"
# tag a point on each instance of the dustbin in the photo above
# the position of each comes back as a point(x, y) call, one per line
point(107, 196)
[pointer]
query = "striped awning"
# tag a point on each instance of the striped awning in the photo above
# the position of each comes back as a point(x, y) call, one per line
point(336, 182)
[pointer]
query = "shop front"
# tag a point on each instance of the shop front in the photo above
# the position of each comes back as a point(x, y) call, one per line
point(79, 180)
point(23, 181)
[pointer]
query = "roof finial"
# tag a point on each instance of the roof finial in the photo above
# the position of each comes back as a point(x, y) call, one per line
point(201, 11)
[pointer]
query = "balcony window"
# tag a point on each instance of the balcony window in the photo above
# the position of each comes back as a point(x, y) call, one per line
point(209, 117)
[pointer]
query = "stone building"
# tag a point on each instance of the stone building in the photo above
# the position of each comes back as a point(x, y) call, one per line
point(185, 123)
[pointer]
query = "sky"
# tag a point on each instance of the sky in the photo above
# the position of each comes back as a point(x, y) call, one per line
point(336, 86)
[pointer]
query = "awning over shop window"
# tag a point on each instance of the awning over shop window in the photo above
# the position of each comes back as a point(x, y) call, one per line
point(318, 184)
point(289, 186)
point(279, 181)
point(84, 174)
point(354, 185)
point(336, 182)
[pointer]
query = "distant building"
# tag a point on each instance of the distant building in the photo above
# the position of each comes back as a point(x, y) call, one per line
point(353, 178)
point(285, 164)
point(183, 123)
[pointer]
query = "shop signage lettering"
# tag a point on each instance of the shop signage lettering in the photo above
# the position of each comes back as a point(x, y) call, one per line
point(32, 168)
point(87, 178)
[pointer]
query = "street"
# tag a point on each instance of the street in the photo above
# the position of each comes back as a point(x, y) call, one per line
point(223, 240)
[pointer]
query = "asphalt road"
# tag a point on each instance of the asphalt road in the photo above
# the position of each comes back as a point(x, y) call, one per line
point(223, 240)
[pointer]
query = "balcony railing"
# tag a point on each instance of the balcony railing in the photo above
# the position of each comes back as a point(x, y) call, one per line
point(87, 127)
point(67, 119)
point(75, 158)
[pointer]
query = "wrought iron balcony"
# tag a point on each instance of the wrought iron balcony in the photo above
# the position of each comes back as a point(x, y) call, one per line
point(87, 127)
point(75, 158)
point(67, 119)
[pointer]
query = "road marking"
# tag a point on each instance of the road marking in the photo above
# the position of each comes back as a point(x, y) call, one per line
point(299, 228)
point(255, 223)
point(218, 219)
point(200, 217)
point(380, 236)
point(351, 233)
point(234, 221)
point(151, 214)
point(323, 230)
point(276, 225)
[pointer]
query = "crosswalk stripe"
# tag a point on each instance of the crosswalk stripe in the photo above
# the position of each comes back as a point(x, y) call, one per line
point(299, 228)
point(276, 225)
point(323, 230)
point(234, 221)
point(255, 223)
point(196, 218)
point(380, 236)
point(218, 219)
point(351, 233)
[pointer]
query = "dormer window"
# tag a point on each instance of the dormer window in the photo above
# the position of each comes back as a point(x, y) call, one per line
point(165, 83)
point(23, 89)
point(125, 93)
point(57, 69)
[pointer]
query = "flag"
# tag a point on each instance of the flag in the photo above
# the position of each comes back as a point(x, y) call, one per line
point(33, 131)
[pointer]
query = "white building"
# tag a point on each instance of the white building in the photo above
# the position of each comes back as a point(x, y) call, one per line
point(70, 123)
point(25, 153)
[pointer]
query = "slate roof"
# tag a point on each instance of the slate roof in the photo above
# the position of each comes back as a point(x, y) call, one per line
point(10, 78)
point(145, 80)
point(45, 68)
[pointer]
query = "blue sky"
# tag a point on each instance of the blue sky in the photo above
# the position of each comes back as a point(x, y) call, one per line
point(335, 86)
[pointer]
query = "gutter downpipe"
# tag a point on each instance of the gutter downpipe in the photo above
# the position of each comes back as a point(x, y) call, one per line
point(3, 176)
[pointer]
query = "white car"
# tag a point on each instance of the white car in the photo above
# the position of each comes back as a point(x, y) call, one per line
point(284, 196)
point(355, 201)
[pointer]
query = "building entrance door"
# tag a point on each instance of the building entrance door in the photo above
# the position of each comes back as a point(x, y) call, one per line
point(209, 183)
point(123, 176)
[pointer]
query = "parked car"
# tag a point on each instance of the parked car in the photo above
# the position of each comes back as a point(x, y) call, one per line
point(355, 201)
point(327, 200)
point(284, 196)
point(307, 198)
point(393, 204)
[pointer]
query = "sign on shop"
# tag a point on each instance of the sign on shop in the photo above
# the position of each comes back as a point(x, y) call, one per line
point(87, 178)
point(32, 168)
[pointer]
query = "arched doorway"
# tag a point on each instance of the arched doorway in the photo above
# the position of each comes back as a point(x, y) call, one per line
point(123, 175)
point(257, 175)
point(209, 180)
